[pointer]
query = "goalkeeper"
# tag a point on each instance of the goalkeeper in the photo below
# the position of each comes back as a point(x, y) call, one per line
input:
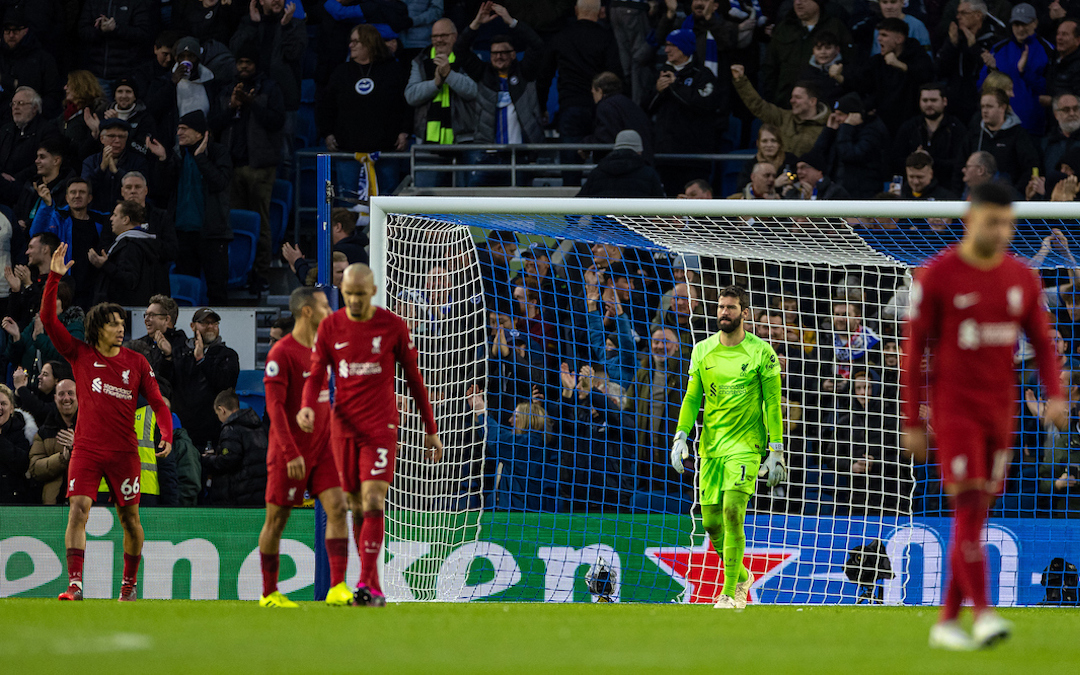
point(738, 376)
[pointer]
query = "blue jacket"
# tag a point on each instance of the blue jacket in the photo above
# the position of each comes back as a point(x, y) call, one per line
point(524, 458)
point(1027, 86)
point(58, 221)
point(621, 367)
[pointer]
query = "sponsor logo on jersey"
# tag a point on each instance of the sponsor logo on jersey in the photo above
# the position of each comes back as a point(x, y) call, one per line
point(965, 300)
point(99, 387)
point(346, 369)
point(973, 335)
point(272, 369)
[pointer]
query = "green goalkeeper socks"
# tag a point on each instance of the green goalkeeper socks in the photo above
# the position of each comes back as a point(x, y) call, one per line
point(734, 540)
point(712, 517)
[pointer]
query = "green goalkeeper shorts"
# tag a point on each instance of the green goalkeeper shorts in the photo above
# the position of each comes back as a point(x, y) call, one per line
point(732, 472)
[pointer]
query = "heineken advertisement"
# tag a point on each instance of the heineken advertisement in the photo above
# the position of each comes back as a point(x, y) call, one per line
point(212, 554)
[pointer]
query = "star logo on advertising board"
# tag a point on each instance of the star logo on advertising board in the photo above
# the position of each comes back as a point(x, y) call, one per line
point(700, 568)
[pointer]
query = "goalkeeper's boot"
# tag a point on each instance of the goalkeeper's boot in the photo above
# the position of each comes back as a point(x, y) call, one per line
point(742, 591)
point(949, 635)
point(340, 595)
point(725, 602)
point(990, 628)
point(127, 593)
point(73, 592)
point(276, 599)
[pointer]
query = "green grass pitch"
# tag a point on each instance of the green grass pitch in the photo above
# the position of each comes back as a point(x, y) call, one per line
point(158, 637)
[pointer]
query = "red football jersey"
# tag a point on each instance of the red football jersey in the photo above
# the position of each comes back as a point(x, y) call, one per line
point(361, 354)
point(107, 388)
point(286, 371)
point(972, 320)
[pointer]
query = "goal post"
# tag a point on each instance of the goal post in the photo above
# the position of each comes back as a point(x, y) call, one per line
point(555, 483)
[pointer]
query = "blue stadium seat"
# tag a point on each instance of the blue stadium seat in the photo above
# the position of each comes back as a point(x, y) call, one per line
point(307, 91)
point(187, 291)
point(245, 227)
point(306, 133)
point(250, 390)
point(729, 176)
point(281, 201)
point(732, 137)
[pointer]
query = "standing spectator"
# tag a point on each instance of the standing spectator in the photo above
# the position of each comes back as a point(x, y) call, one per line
point(77, 226)
point(24, 62)
point(920, 181)
point(50, 452)
point(1063, 71)
point(154, 77)
point(114, 34)
point(624, 172)
point(980, 167)
point(237, 466)
point(129, 107)
point(130, 272)
point(685, 105)
point(443, 97)
point(424, 14)
point(960, 57)
point(630, 23)
point(1024, 58)
point(106, 169)
point(580, 52)
point(209, 20)
point(163, 339)
point(894, 9)
point(713, 33)
point(616, 112)
point(198, 176)
point(792, 46)
point(656, 396)
point(158, 221)
point(20, 138)
point(205, 366)
point(17, 429)
point(800, 126)
point(1001, 134)
point(192, 87)
point(826, 67)
point(38, 398)
point(51, 170)
point(494, 259)
point(933, 131)
point(253, 116)
point(855, 144)
point(892, 78)
point(1063, 137)
point(1059, 470)
point(854, 343)
point(84, 102)
point(32, 346)
point(27, 281)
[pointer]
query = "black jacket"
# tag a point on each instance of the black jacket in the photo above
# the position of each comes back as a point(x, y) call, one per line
point(39, 405)
point(115, 54)
point(15, 487)
point(1063, 76)
point(685, 113)
point(945, 146)
point(18, 148)
point(280, 50)
point(133, 272)
point(934, 192)
point(162, 365)
point(384, 109)
point(616, 113)
point(583, 50)
point(959, 66)
point(1055, 146)
point(253, 134)
point(30, 65)
point(197, 383)
point(892, 92)
point(623, 173)
point(216, 169)
point(1011, 146)
point(238, 467)
point(106, 184)
point(160, 224)
point(855, 154)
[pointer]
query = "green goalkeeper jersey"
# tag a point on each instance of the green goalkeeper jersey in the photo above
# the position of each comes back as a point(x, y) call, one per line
point(741, 390)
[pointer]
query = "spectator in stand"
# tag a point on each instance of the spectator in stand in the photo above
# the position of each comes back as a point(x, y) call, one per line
point(580, 52)
point(800, 126)
point(980, 167)
point(792, 46)
point(1024, 58)
point(39, 398)
point(853, 344)
point(130, 272)
point(630, 23)
point(84, 103)
point(1063, 71)
point(158, 221)
point(24, 62)
point(920, 182)
point(192, 87)
point(494, 258)
point(932, 131)
point(209, 19)
point(50, 452)
point(714, 32)
point(31, 346)
point(894, 9)
point(127, 106)
point(960, 58)
point(688, 97)
point(424, 14)
point(250, 126)
point(617, 350)
point(51, 169)
point(77, 226)
point(198, 175)
point(624, 172)
point(684, 316)
point(616, 112)
point(698, 188)
point(20, 138)
point(106, 169)
point(345, 238)
point(507, 102)
point(656, 398)
point(27, 281)
point(826, 67)
point(1001, 134)
point(236, 468)
point(204, 366)
point(762, 183)
point(17, 430)
point(855, 146)
point(154, 77)
point(813, 184)
point(1059, 471)
point(770, 150)
point(1062, 138)
point(163, 339)
point(114, 35)
point(891, 80)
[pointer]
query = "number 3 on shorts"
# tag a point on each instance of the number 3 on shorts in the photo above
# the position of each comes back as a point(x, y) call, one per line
point(130, 488)
point(381, 461)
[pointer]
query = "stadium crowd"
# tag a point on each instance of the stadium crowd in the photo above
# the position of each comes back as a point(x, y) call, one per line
point(129, 130)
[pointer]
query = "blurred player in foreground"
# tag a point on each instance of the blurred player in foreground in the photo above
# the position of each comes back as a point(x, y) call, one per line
point(108, 382)
point(969, 305)
point(737, 375)
point(361, 344)
point(299, 461)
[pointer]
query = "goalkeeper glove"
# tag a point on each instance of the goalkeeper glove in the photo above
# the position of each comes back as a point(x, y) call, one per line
point(679, 451)
point(773, 468)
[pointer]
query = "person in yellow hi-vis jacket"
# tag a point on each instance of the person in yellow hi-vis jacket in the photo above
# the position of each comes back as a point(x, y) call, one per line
point(149, 486)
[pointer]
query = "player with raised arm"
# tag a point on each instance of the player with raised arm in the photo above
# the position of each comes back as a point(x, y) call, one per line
point(737, 376)
point(969, 305)
point(108, 382)
point(299, 461)
point(361, 344)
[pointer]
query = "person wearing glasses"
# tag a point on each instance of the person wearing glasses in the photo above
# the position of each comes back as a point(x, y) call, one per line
point(204, 367)
point(20, 138)
point(163, 339)
point(106, 169)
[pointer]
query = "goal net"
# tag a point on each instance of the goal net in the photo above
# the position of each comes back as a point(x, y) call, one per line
point(555, 337)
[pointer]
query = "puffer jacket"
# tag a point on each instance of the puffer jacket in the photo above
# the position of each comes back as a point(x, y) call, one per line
point(238, 467)
point(16, 487)
point(47, 463)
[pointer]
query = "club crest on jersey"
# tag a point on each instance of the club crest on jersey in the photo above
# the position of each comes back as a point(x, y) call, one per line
point(376, 345)
point(125, 375)
point(1015, 297)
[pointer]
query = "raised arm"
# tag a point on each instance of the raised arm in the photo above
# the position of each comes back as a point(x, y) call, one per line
point(56, 331)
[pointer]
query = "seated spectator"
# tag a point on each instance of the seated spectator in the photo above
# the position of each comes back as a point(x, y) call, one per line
point(932, 131)
point(130, 272)
point(761, 185)
point(127, 106)
point(1062, 138)
point(813, 184)
point(1063, 71)
point(281, 328)
point(205, 365)
point(198, 176)
point(17, 429)
point(920, 181)
point(24, 61)
point(115, 35)
point(28, 281)
point(980, 167)
point(854, 146)
point(84, 102)
point(792, 46)
point(51, 169)
point(770, 150)
point(698, 188)
point(960, 58)
point(656, 396)
point(890, 80)
point(615, 112)
point(159, 222)
point(38, 399)
point(32, 346)
point(106, 169)
point(1001, 134)
point(624, 172)
point(20, 138)
point(77, 226)
point(1024, 58)
point(894, 9)
point(826, 68)
point(50, 452)
point(800, 126)
point(236, 467)
point(163, 339)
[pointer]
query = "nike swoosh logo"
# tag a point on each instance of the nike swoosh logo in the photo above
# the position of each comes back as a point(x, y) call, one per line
point(307, 372)
point(966, 300)
point(340, 345)
point(375, 473)
point(709, 367)
point(98, 365)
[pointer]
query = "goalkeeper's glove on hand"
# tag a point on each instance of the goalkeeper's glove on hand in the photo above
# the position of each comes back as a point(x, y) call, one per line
point(773, 468)
point(679, 451)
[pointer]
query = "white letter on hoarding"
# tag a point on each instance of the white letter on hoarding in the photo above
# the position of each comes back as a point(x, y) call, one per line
point(98, 576)
point(405, 553)
point(249, 581)
point(46, 565)
point(160, 558)
point(1005, 542)
point(455, 572)
point(562, 564)
point(899, 543)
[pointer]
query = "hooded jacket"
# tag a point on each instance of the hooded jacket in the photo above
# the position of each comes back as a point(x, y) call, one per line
point(798, 135)
point(133, 272)
point(1010, 145)
point(623, 173)
point(238, 467)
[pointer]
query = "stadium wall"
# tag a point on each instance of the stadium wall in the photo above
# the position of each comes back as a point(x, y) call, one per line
point(212, 554)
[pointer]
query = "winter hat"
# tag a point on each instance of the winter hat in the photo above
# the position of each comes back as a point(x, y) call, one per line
point(195, 120)
point(628, 139)
point(850, 103)
point(816, 159)
point(684, 40)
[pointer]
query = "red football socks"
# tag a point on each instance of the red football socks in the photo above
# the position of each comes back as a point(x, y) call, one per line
point(337, 551)
point(369, 544)
point(967, 561)
point(131, 568)
point(75, 557)
point(270, 564)
point(357, 530)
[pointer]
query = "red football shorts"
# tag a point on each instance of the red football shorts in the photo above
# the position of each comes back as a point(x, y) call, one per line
point(361, 459)
point(973, 454)
point(121, 471)
point(322, 474)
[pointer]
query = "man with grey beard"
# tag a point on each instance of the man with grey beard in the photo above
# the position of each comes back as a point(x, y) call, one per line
point(1058, 142)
